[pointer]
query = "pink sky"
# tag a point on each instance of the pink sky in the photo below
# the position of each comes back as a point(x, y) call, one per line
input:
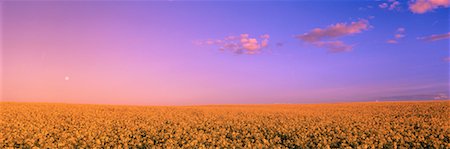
point(177, 53)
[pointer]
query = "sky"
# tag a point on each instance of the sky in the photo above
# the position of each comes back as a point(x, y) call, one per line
point(227, 52)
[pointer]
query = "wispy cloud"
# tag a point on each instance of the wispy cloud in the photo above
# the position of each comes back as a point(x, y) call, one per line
point(423, 6)
point(390, 5)
point(436, 37)
point(399, 33)
point(383, 5)
point(446, 59)
point(365, 8)
point(242, 44)
point(334, 46)
point(336, 30)
point(319, 36)
point(392, 41)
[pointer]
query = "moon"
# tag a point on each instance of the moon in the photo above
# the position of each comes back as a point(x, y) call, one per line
point(66, 78)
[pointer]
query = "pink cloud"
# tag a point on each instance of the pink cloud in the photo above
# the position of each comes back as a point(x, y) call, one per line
point(391, 5)
point(265, 40)
point(400, 33)
point(242, 44)
point(398, 36)
point(334, 46)
point(423, 6)
point(436, 37)
point(394, 5)
point(317, 36)
point(383, 5)
point(392, 41)
point(446, 59)
point(336, 30)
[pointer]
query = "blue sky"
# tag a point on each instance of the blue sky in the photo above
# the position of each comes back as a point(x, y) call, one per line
point(272, 52)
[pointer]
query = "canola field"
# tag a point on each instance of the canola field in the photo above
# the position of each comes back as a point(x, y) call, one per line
point(420, 124)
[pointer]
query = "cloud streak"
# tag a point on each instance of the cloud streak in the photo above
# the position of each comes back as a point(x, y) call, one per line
point(390, 5)
point(423, 6)
point(321, 37)
point(392, 41)
point(446, 59)
point(334, 31)
point(334, 46)
point(436, 37)
point(242, 44)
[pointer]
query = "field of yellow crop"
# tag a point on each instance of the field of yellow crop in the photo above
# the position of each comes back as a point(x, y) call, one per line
point(344, 125)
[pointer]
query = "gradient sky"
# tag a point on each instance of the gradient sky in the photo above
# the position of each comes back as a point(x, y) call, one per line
point(181, 53)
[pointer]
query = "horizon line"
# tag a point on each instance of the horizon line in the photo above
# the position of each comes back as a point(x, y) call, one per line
point(236, 104)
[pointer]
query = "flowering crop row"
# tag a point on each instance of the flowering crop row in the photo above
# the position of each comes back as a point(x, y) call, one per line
point(346, 125)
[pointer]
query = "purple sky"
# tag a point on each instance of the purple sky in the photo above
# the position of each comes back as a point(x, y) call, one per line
point(179, 53)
